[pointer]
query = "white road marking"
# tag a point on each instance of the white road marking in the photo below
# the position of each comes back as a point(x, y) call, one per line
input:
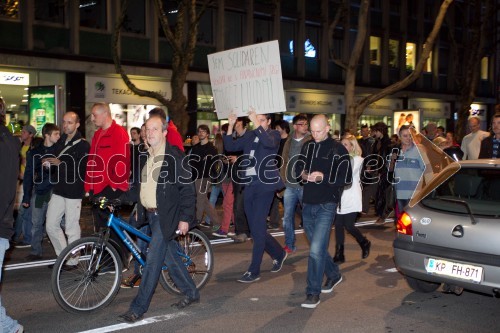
point(145, 321)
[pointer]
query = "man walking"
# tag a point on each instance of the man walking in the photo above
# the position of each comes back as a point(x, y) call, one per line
point(38, 175)
point(169, 203)
point(325, 171)
point(293, 189)
point(9, 160)
point(68, 192)
point(471, 143)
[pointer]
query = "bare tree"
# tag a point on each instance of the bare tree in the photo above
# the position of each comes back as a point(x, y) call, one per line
point(182, 39)
point(354, 109)
point(478, 22)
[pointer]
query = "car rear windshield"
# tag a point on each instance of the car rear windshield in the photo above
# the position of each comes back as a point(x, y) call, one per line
point(477, 188)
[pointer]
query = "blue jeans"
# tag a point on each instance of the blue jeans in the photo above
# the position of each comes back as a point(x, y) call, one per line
point(214, 195)
point(161, 251)
point(23, 225)
point(38, 219)
point(257, 204)
point(318, 219)
point(8, 324)
point(291, 198)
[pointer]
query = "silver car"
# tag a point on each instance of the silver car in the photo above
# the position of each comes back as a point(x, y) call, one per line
point(452, 236)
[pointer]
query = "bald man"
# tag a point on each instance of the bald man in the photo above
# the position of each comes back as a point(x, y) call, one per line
point(324, 170)
point(471, 143)
point(67, 194)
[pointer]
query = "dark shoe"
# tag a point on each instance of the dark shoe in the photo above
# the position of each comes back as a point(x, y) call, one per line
point(184, 303)
point(330, 284)
point(311, 302)
point(133, 281)
point(33, 257)
point(365, 248)
point(272, 227)
point(205, 225)
point(278, 264)
point(131, 317)
point(339, 258)
point(249, 278)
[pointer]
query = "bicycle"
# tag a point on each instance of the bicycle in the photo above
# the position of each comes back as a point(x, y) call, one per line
point(93, 282)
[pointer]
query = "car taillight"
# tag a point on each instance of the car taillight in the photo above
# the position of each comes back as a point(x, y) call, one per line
point(405, 224)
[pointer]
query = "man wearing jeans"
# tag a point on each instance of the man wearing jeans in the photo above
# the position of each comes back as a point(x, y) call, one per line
point(168, 197)
point(293, 190)
point(9, 160)
point(324, 169)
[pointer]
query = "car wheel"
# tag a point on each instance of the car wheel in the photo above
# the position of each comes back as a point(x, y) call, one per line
point(422, 286)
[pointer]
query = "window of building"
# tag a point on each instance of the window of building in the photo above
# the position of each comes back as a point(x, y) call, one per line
point(93, 14)
point(262, 30)
point(234, 37)
point(395, 6)
point(312, 41)
point(135, 18)
point(287, 35)
point(374, 50)
point(206, 27)
point(9, 9)
point(484, 68)
point(411, 55)
point(50, 11)
point(393, 52)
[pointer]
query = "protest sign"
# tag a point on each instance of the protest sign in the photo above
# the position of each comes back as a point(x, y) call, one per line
point(247, 77)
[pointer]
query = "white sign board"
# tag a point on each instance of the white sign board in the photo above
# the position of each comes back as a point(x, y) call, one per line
point(18, 79)
point(247, 77)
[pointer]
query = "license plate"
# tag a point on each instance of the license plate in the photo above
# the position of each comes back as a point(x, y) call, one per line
point(454, 269)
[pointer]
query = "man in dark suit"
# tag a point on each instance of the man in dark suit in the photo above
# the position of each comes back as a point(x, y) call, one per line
point(167, 195)
point(490, 146)
point(261, 178)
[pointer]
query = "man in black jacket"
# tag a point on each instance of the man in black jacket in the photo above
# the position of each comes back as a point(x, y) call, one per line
point(490, 146)
point(167, 194)
point(9, 160)
point(67, 194)
point(325, 170)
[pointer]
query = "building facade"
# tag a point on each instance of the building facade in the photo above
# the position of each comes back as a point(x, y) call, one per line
point(67, 45)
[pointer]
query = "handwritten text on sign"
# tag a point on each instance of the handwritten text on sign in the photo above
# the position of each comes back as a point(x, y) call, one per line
point(246, 77)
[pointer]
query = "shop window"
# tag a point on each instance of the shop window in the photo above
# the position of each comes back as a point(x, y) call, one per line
point(262, 30)
point(93, 14)
point(9, 9)
point(50, 11)
point(374, 50)
point(484, 68)
point(393, 53)
point(395, 6)
point(287, 36)
point(135, 18)
point(233, 36)
point(411, 54)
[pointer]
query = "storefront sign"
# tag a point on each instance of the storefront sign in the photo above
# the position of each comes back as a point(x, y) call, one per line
point(17, 79)
point(314, 102)
point(114, 90)
point(42, 106)
point(382, 107)
point(247, 77)
point(431, 109)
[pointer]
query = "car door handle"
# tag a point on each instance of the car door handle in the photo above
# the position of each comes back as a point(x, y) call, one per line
point(458, 231)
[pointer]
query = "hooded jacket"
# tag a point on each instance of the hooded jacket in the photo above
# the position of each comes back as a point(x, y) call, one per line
point(9, 160)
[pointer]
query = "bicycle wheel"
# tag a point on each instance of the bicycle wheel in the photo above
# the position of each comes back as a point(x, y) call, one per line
point(90, 284)
point(196, 253)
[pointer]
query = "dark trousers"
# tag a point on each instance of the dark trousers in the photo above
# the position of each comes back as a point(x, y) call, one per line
point(240, 219)
point(257, 204)
point(346, 221)
point(101, 217)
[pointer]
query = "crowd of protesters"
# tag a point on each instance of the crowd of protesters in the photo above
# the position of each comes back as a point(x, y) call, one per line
point(325, 178)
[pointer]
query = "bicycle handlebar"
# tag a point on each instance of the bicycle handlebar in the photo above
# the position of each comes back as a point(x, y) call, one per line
point(103, 202)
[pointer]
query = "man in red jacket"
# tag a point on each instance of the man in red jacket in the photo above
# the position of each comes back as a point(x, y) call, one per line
point(108, 166)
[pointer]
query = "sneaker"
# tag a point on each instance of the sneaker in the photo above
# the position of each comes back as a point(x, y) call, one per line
point(20, 328)
point(22, 245)
point(272, 227)
point(330, 284)
point(241, 238)
point(133, 281)
point(278, 264)
point(290, 250)
point(231, 234)
point(311, 302)
point(249, 278)
point(205, 225)
point(220, 233)
point(33, 257)
point(216, 228)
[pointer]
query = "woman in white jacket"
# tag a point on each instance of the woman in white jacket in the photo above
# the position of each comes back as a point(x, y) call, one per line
point(350, 204)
